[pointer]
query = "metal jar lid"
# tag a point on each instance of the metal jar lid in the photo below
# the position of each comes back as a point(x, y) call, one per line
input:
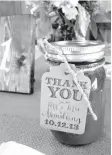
point(78, 51)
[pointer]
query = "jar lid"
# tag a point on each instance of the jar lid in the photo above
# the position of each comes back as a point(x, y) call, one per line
point(78, 51)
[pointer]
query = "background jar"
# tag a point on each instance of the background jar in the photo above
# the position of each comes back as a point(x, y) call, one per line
point(85, 55)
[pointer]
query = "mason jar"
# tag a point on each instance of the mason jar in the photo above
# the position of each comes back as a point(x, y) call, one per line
point(88, 56)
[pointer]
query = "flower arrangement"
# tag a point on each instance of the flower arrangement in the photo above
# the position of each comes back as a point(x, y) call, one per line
point(68, 19)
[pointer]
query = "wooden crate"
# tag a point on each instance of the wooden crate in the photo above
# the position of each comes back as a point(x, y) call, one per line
point(17, 48)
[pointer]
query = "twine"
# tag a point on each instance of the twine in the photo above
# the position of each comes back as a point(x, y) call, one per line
point(74, 75)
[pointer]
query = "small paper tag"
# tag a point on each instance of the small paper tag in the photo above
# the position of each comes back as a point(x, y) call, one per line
point(63, 107)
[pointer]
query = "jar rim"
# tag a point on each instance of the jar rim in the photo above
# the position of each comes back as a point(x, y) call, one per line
point(77, 51)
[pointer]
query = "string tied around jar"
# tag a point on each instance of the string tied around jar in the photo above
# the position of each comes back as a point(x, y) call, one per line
point(45, 45)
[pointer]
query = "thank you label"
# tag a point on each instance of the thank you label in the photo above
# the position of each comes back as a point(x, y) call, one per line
point(63, 106)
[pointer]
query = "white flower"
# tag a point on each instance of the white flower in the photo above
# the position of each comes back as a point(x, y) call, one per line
point(68, 7)
point(70, 13)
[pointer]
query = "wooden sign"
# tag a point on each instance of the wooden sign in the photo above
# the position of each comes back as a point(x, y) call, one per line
point(17, 48)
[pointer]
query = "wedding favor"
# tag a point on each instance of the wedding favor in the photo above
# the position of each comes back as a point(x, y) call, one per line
point(72, 91)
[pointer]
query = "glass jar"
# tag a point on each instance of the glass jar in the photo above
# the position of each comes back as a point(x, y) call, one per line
point(85, 55)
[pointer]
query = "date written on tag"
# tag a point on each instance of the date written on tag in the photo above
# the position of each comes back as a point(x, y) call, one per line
point(63, 107)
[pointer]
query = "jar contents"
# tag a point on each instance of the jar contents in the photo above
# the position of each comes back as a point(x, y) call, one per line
point(93, 129)
point(87, 57)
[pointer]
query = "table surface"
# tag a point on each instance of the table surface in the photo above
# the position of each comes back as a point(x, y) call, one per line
point(19, 121)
